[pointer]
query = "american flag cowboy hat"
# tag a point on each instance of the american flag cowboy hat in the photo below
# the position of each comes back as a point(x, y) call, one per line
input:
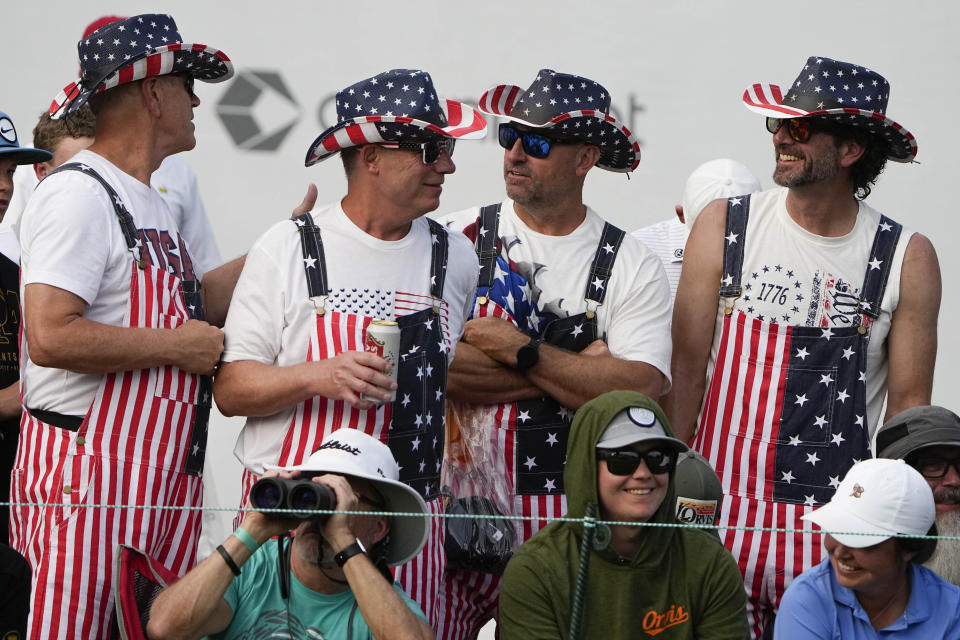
point(132, 49)
point(844, 92)
point(400, 105)
point(574, 107)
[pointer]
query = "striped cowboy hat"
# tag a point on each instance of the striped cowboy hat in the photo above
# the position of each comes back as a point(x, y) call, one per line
point(132, 49)
point(574, 107)
point(843, 92)
point(399, 105)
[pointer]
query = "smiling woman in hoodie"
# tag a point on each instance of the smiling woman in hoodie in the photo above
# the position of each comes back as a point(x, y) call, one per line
point(648, 581)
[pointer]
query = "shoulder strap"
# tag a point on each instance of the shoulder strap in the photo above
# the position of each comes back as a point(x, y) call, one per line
point(602, 266)
point(738, 213)
point(488, 228)
point(885, 242)
point(127, 226)
point(440, 245)
point(314, 262)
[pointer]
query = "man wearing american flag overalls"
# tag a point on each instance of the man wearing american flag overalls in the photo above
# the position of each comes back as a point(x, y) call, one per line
point(804, 307)
point(295, 361)
point(119, 337)
point(567, 307)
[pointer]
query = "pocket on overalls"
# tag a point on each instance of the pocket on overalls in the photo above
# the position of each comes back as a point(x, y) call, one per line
point(72, 487)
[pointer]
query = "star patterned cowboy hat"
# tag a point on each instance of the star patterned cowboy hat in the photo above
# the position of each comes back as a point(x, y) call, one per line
point(572, 107)
point(841, 91)
point(135, 48)
point(400, 105)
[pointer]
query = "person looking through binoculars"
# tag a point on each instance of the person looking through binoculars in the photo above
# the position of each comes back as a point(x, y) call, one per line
point(330, 580)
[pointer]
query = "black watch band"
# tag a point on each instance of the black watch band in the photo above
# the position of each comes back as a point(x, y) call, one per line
point(528, 355)
point(355, 548)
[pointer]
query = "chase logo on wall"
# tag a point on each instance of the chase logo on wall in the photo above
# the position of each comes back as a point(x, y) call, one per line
point(258, 110)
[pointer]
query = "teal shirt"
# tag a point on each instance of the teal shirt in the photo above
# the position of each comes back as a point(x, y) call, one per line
point(259, 611)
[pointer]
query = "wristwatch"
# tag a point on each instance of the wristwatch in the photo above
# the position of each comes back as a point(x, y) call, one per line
point(355, 548)
point(528, 355)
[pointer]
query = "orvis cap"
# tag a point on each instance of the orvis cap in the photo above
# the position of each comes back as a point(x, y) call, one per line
point(636, 424)
point(720, 178)
point(10, 148)
point(698, 488)
point(350, 452)
point(916, 428)
point(877, 496)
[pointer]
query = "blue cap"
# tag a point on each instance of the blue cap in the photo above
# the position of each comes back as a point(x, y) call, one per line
point(10, 147)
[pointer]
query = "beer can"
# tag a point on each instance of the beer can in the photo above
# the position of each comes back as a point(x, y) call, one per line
point(383, 339)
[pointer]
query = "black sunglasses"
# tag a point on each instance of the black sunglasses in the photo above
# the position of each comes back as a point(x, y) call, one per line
point(936, 467)
point(535, 145)
point(624, 462)
point(799, 129)
point(430, 150)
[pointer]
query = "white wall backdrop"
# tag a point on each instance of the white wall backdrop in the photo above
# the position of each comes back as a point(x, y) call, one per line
point(676, 71)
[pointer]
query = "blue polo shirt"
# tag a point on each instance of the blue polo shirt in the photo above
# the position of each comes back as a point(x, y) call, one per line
point(815, 605)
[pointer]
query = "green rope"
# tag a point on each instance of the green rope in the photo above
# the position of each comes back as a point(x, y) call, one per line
point(580, 588)
point(414, 514)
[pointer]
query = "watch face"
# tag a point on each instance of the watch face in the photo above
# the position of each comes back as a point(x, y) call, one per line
point(528, 355)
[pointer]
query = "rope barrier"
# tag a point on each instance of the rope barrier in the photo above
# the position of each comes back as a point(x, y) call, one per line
point(402, 514)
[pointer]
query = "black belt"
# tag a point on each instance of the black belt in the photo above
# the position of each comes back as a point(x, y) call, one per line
point(61, 420)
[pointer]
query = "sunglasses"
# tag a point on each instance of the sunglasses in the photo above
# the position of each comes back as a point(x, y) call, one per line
point(624, 462)
point(430, 151)
point(798, 128)
point(535, 145)
point(936, 467)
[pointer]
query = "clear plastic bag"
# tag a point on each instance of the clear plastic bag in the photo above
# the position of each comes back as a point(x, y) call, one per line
point(476, 480)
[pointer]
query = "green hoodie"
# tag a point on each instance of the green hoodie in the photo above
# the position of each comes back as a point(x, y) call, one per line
point(682, 584)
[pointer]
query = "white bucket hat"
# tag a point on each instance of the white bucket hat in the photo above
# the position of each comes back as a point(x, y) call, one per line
point(878, 496)
point(350, 452)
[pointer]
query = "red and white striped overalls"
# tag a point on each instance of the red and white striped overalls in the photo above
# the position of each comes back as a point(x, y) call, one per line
point(413, 426)
point(784, 417)
point(141, 443)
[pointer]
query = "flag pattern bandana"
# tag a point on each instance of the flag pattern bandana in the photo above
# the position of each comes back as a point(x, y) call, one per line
point(844, 92)
point(133, 49)
point(396, 106)
point(572, 107)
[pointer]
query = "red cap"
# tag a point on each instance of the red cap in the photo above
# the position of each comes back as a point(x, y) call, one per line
point(101, 22)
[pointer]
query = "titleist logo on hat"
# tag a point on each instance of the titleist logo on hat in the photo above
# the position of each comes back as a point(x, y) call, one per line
point(336, 444)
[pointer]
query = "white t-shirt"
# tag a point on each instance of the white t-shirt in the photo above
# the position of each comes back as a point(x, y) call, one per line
point(174, 180)
point(271, 317)
point(667, 239)
point(634, 319)
point(792, 276)
point(71, 239)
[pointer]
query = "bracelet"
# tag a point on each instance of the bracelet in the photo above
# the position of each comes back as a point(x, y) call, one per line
point(228, 559)
point(244, 536)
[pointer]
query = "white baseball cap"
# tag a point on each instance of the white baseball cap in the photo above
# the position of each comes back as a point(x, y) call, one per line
point(353, 453)
point(877, 496)
point(721, 178)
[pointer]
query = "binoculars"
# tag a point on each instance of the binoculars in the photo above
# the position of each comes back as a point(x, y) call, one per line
point(302, 495)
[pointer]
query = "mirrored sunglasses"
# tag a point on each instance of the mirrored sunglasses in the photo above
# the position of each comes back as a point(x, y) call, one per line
point(624, 462)
point(535, 145)
point(430, 151)
point(798, 128)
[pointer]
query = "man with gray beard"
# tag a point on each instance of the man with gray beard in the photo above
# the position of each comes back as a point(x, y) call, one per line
point(928, 438)
point(332, 581)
